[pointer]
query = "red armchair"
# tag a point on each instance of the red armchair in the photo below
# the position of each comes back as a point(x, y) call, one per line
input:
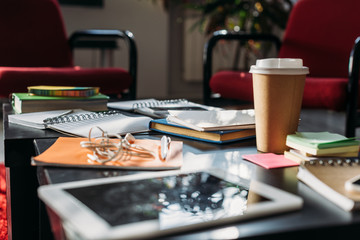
point(320, 32)
point(35, 50)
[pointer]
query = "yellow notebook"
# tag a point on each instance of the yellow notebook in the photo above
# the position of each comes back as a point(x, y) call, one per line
point(299, 156)
point(323, 151)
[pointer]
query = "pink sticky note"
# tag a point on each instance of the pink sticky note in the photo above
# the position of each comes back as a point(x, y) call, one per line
point(270, 160)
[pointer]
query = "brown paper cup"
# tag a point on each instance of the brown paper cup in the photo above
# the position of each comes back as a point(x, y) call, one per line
point(277, 101)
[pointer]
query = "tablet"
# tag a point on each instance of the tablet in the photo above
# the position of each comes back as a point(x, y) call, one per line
point(159, 203)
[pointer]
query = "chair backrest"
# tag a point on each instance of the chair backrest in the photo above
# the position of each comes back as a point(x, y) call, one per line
point(322, 33)
point(32, 34)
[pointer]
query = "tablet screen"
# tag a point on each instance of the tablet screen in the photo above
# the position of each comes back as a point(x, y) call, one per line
point(173, 201)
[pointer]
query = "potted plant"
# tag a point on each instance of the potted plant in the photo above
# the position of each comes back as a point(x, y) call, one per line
point(248, 16)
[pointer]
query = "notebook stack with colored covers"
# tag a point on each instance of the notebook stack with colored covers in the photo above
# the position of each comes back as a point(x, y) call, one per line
point(28, 102)
point(163, 126)
point(306, 146)
point(210, 126)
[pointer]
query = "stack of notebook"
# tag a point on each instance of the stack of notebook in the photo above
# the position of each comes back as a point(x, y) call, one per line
point(216, 126)
point(46, 98)
point(306, 146)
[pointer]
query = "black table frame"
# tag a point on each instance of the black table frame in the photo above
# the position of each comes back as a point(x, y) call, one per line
point(318, 219)
point(23, 206)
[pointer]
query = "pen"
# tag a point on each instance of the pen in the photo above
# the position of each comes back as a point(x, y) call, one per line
point(165, 146)
point(49, 120)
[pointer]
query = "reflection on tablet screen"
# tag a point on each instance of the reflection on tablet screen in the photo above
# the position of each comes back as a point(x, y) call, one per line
point(172, 200)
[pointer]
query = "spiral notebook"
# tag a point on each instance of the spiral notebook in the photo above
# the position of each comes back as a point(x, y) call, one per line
point(157, 108)
point(79, 122)
point(328, 178)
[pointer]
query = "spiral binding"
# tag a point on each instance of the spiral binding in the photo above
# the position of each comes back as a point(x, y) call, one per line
point(335, 162)
point(159, 103)
point(79, 117)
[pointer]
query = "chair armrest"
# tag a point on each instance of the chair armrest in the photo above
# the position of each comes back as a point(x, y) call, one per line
point(229, 36)
point(94, 38)
point(107, 39)
point(352, 115)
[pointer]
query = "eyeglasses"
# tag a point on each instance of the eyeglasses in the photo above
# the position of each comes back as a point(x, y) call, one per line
point(112, 147)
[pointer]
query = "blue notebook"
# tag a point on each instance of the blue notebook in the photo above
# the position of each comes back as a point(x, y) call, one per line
point(163, 126)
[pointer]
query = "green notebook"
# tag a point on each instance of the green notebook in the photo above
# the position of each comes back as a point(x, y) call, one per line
point(321, 139)
point(25, 102)
point(322, 143)
point(32, 97)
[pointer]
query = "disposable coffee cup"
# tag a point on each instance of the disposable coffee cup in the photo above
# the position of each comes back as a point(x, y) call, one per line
point(278, 85)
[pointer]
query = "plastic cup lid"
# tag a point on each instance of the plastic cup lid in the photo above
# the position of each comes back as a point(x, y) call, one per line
point(282, 66)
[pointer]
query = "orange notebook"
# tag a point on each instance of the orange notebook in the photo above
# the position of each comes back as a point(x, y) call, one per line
point(67, 152)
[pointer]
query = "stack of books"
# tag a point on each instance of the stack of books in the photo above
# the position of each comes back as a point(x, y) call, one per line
point(306, 146)
point(47, 98)
point(215, 126)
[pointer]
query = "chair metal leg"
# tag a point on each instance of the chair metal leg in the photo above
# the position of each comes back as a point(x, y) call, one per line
point(352, 116)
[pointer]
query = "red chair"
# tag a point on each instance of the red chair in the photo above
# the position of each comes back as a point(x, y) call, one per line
point(320, 32)
point(35, 50)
